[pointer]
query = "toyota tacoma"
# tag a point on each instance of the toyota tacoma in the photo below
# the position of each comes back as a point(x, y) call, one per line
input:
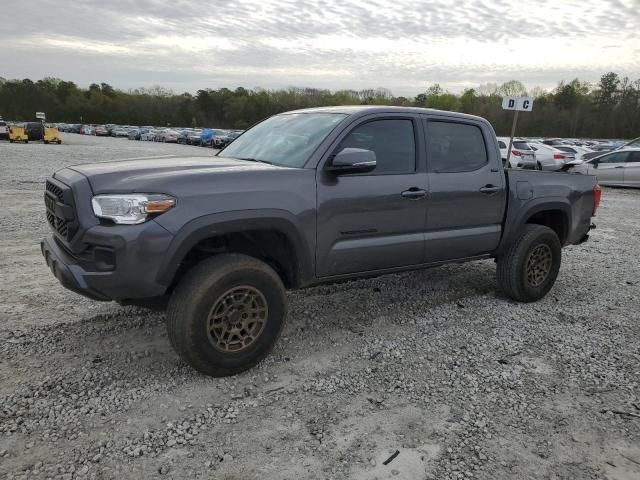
point(303, 198)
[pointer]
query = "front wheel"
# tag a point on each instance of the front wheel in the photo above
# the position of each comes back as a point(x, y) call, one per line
point(226, 314)
point(538, 166)
point(529, 268)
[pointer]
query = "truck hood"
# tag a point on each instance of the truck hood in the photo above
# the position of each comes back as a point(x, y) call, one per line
point(157, 175)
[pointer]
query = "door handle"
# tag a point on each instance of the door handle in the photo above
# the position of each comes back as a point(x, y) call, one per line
point(414, 193)
point(489, 189)
point(619, 166)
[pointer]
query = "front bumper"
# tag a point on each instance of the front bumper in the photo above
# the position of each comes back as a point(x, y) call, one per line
point(118, 262)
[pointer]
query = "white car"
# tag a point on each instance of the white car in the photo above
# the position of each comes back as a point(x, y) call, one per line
point(4, 130)
point(522, 155)
point(550, 158)
point(576, 150)
point(618, 168)
point(168, 136)
point(150, 135)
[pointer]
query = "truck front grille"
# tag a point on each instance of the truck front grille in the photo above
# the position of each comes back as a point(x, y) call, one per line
point(58, 200)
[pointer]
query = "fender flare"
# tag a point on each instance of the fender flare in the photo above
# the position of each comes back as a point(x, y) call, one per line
point(212, 225)
point(516, 220)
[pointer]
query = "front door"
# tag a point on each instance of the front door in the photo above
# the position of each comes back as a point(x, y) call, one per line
point(632, 169)
point(610, 169)
point(467, 193)
point(374, 221)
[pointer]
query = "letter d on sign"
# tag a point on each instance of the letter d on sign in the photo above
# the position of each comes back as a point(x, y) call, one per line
point(512, 103)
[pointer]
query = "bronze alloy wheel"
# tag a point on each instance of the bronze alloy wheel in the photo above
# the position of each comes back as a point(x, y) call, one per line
point(539, 265)
point(237, 319)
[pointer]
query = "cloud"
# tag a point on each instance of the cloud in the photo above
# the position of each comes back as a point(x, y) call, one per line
point(402, 45)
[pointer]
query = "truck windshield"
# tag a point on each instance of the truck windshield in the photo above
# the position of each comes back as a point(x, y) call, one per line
point(287, 140)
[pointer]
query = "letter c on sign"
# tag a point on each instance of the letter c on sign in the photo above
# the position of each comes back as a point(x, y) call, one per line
point(525, 104)
point(512, 103)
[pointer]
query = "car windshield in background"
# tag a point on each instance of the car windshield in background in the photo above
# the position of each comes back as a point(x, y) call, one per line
point(287, 140)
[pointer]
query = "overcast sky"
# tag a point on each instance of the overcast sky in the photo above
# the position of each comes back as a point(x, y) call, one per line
point(403, 45)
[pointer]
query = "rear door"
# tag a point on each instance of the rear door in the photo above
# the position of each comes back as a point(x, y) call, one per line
point(376, 220)
point(610, 168)
point(632, 170)
point(467, 193)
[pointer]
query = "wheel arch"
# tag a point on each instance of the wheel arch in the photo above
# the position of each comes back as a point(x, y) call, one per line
point(272, 236)
point(554, 212)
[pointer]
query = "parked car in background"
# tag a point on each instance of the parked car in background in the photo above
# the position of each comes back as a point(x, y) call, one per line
point(633, 143)
point(195, 138)
point(550, 158)
point(183, 136)
point(149, 135)
point(86, 129)
point(4, 130)
point(101, 131)
point(522, 155)
point(120, 132)
point(618, 168)
point(206, 137)
point(554, 141)
point(579, 152)
point(220, 138)
point(137, 133)
point(168, 136)
point(35, 130)
point(603, 147)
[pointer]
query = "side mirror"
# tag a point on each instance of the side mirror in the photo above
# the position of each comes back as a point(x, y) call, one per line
point(594, 163)
point(352, 160)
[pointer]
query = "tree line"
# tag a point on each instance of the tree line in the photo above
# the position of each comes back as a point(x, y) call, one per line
point(607, 109)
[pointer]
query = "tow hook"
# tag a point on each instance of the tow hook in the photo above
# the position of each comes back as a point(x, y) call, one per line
point(592, 226)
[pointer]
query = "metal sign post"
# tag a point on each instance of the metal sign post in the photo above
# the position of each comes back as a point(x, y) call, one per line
point(518, 104)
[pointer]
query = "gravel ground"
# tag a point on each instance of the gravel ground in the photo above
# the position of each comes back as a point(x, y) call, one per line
point(434, 365)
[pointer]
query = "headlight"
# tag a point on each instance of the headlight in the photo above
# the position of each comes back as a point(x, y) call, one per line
point(131, 209)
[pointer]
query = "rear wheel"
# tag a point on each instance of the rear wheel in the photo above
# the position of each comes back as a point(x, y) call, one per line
point(226, 314)
point(538, 166)
point(529, 268)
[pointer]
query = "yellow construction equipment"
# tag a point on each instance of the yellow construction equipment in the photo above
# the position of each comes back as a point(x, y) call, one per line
point(18, 134)
point(51, 135)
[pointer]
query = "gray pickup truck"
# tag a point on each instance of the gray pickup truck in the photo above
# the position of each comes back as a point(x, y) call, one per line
point(303, 198)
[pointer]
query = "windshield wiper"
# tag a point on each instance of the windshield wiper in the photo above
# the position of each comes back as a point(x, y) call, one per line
point(255, 160)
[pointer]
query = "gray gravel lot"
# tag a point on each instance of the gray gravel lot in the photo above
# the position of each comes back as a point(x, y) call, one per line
point(434, 364)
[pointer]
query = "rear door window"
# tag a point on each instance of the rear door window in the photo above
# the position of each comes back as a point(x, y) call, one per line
point(455, 147)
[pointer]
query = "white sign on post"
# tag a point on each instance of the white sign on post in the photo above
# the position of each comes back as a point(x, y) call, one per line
point(519, 104)
point(523, 104)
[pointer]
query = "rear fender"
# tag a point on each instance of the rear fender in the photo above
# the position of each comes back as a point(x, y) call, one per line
point(520, 211)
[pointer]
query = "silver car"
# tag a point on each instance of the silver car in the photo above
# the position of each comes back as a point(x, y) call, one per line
point(617, 168)
point(522, 155)
point(550, 158)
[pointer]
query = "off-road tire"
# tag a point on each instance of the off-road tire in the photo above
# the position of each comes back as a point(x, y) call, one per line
point(513, 275)
point(199, 291)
